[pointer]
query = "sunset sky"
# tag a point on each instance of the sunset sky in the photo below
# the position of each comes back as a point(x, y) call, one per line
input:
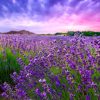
point(49, 16)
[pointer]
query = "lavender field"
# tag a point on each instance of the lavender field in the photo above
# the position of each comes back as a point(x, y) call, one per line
point(49, 67)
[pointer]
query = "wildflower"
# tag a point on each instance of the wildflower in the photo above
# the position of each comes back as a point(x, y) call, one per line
point(4, 95)
point(43, 94)
point(88, 97)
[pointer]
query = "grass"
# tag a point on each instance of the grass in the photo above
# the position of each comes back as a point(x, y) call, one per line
point(55, 70)
point(8, 64)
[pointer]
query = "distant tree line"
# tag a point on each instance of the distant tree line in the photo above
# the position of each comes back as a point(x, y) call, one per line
point(84, 33)
point(90, 33)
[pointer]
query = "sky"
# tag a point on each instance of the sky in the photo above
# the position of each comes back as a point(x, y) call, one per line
point(49, 16)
